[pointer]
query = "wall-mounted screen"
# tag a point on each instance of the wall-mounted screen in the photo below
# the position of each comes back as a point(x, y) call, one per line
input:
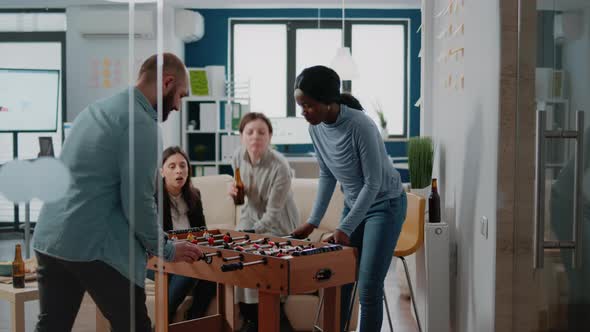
point(28, 100)
point(290, 130)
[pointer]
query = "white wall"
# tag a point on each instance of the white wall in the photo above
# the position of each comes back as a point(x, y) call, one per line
point(464, 125)
point(86, 56)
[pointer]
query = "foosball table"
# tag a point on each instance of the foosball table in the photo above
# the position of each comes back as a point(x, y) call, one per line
point(275, 266)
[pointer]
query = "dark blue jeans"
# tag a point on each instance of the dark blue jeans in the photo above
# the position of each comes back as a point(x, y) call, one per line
point(62, 285)
point(180, 286)
point(375, 238)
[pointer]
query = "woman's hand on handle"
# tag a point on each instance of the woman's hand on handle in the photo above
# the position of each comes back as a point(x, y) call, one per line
point(303, 231)
point(338, 237)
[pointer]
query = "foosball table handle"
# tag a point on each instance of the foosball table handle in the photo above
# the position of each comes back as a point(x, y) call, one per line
point(240, 265)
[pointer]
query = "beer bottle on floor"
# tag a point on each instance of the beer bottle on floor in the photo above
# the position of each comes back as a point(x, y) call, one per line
point(239, 198)
point(434, 204)
point(18, 269)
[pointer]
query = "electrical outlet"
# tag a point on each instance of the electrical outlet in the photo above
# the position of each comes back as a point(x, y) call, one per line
point(484, 227)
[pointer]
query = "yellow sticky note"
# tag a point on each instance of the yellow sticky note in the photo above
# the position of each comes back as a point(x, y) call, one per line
point(198, 82)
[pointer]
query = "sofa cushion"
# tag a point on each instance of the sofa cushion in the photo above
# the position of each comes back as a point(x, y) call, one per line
point(218, 206)
point(220, 211)
point(305, 191)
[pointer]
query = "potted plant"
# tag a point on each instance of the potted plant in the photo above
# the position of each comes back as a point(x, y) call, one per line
point(420, 157)
point(382, 120)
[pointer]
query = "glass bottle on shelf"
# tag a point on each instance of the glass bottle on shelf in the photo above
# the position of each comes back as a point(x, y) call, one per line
point(434, 203)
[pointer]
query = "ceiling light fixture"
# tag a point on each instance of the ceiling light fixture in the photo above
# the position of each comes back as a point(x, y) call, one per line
point(343, 63)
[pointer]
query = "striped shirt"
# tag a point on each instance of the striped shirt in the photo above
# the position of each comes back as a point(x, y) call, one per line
point(270, 207)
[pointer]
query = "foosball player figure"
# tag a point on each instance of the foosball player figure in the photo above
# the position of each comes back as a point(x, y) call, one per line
point(190, 237)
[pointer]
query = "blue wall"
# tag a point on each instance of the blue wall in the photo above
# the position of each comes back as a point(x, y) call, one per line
point(212, 49)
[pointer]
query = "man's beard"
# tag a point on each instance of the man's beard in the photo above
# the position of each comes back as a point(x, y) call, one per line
point(168, 102)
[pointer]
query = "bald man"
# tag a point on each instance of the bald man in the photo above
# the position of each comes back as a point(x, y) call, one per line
point(82, 241)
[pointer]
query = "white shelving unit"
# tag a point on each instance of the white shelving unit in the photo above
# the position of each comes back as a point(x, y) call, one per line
point(204, 146)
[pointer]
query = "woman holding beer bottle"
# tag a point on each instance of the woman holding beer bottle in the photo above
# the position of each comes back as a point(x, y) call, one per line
point(270, 207)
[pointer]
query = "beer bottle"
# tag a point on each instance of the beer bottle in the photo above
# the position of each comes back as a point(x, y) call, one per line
point(434, 203)
point(239, 198)
point(18, 269)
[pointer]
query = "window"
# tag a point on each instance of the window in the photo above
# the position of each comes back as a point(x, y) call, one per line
point(307, 53)
point(265, 73)
point(383, 80)
point(379, 48)
point(31, 50)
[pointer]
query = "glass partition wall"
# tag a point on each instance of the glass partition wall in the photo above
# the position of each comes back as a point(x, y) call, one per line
point(553, 143)
point(98, 50)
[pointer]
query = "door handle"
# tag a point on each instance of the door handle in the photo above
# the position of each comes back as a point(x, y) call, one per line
point(539, 233)
point(578, 180)
point(539, 243)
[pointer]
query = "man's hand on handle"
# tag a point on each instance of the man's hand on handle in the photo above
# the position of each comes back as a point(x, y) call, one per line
point(187, 252)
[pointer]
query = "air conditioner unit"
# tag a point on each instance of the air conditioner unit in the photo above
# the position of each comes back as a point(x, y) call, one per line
point(114, 23)
point(189, 25)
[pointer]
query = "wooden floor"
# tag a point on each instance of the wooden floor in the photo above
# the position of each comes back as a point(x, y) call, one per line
point(403, 320)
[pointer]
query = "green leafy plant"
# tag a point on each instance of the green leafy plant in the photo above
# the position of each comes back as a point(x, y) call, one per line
point(380, 114)
point(420, 157)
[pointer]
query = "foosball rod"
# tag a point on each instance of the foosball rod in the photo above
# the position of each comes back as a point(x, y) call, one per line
point(237, 245)
point(187, 230)
point(279, 244)
point(241, 265)
point(233, 258)
point(215, 236)
point(208, 257)
point(226, 239)
point(293, 237)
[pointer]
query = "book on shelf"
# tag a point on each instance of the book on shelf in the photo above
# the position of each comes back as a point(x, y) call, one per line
point(235, 111)
point(208, 116)
point(229, 144)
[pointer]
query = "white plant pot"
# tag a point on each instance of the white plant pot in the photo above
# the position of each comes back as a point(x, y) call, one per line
point(424, 192)
point(411, 260)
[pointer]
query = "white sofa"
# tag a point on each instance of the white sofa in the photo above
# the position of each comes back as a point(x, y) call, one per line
point(220, 212)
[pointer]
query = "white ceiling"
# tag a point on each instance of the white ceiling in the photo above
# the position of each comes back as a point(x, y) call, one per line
point(228, 3)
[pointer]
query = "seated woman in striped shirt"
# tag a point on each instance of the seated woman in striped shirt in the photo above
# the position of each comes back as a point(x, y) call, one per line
point(270, 207)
